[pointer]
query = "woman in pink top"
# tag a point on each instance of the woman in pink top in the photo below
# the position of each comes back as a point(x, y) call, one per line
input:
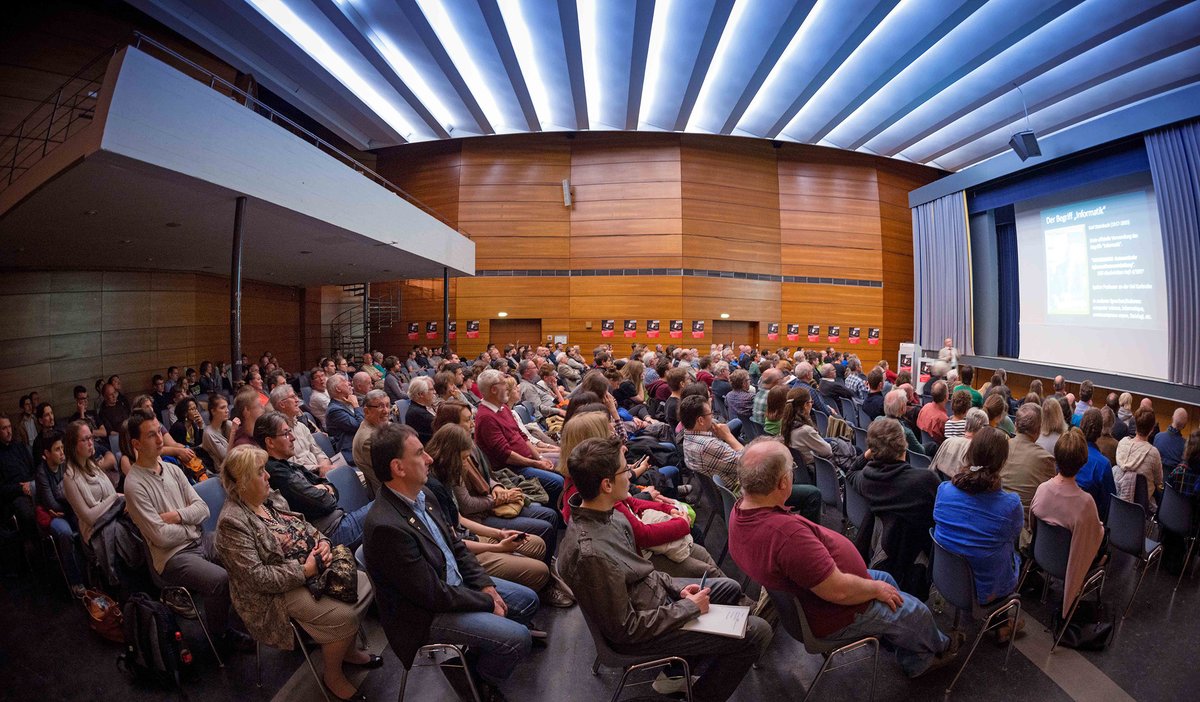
point(1061, 502)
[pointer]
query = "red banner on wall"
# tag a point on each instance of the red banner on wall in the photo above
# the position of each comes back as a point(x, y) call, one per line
point(413, 331)
point(676, 329)
point(835, 333)
point(630, 328)
point(652, 328)
point(453, 328)
point(873, 335)
point(698, 329)
point(607, 326)
point(855, 332)
point(473, 329)
point(431, 330)
point(772, 331)
point(793, 332)
point(814, 332)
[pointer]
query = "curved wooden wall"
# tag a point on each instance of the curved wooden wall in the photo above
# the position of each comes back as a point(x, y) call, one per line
point(823, 235)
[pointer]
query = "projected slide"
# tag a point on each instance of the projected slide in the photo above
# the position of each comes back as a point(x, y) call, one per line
point(1092, 278)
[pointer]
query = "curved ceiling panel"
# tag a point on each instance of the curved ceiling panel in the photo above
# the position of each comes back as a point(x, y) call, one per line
point(930, 81)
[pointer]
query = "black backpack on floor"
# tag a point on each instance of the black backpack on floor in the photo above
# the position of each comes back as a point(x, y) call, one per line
point(154, 646)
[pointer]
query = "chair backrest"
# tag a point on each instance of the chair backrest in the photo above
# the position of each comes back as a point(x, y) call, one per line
point(728, 499)
point(1126, 526)
point(708, 490)
point(322, 440)
point(523, 413)
point(306, 393)
point(351, 493)
point(858, 510)
point(751, 430)
point(1051, 548)
point(801, 473)
point(918, 460)
point(827, 482)
point(720, 409)
point(1175, 512)
point(530, 408)
point(1141, 494)
point(791, 616)
point(213, 494)
point(402, 409)
point(360, 557)
point(858, 418)
point(953, 577)
point(822, 420)
point(860, 439)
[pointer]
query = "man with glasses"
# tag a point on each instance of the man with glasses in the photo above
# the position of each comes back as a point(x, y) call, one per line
point(305, 449)
point(309, 494)
point(376, 411)
point(711, 449)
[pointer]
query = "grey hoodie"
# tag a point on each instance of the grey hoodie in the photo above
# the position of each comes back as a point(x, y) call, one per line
point(1137, 458)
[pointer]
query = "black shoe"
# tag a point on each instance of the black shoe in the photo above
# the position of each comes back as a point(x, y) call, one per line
point(234, 641)
point(371, 663)
point(356, 697)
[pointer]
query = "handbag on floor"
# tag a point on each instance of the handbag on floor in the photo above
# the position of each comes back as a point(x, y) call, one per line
point(1090, 629)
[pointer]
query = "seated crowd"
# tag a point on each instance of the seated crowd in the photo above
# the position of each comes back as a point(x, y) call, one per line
point(534, 476)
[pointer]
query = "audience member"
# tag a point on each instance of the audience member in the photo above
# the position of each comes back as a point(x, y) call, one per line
point(420, 411)
point(799, 429)
point(979, 521)
point(112, 412)
point(17, 473)
point(739, 401)
point(637, 609)
point(997, 412)
point(307, 493)
point(855, 380)
point(532, 431)
point(872, 406)
point(246, 411)
point(1120, 429)
point(343, 416)
point(498, 434)
point(960, 402)
point(1170, 443)
point(1107, 443)
point(1029, 465)
point(951, 456)
point(776, 403)
point(1137, 456)
point(216, 433)
point(376, 409)
point(271, 554)
point(966, 375)
point(97, 506)
point(305, 450)
point(711, 449)
point(894, 405)
point(318, 400)
point(1096, 475)
point(428, 585)
point(168, 513)
point(1054, 424)
point(54, 511)
point(932, 417)
point(842, 600)
point(1186, 477)
point(1060, 502)
point(1086, 390)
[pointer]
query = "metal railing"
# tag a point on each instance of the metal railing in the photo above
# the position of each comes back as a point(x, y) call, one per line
point(60, 115)
point(352, 328)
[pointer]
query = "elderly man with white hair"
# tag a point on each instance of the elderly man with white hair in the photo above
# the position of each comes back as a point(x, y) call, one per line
point(770, 378)
point(304, 448)
point(948, 353)
point(362, 383)
point(894, 405)
point(343, 416)
point(1170, 443)
point(804, 376)
point(501, 439)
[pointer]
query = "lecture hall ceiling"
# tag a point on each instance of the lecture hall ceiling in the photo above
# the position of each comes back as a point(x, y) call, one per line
point(927, 81)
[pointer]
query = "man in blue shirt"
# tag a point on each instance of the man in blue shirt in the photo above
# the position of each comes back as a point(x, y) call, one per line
point(1170, 443)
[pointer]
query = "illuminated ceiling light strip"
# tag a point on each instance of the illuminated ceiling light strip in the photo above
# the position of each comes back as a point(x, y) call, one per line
point(780, 71)
point(412, 78)
point(304, 36)
point(703, 111)
point(652, 82)
point(522, 43)
point(589, 46)
point(452, 41)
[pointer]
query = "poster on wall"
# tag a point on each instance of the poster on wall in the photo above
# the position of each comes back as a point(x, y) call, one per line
point(855, 332)
point(793, 332)
point(814, 332)
point(413, 332)
point(873, 335)
point(772, 330)
point(473, 329)
point(431, 330)
point(607, 326)
point(453, 329)
point(652, 328)
point(835, 333)
point(676, 328)
point(630, 328)
point(698, 329)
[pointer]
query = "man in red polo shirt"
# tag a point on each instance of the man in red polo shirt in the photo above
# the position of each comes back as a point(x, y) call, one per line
point(842, 600)
point(501, 440)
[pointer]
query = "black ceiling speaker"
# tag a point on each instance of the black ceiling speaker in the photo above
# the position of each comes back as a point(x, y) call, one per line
point(1025, 144)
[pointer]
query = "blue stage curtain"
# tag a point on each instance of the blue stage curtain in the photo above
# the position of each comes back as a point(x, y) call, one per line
point(1008, 266)
point(942, 270)
point(1174, 154)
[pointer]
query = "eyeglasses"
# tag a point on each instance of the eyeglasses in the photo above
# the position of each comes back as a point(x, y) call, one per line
point(376, 406)
point(289, 434)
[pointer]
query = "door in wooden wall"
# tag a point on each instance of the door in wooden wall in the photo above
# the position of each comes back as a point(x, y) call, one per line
point(516, 332)
point(735, 332)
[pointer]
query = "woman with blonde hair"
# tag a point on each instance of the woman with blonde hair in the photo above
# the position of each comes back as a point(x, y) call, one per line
point(271, 553)
point(1054, 424)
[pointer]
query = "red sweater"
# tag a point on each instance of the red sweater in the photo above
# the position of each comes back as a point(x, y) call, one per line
point(497, 434)
point(644, 535)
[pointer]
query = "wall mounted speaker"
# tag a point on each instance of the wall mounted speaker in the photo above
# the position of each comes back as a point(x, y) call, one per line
point(1025, 145)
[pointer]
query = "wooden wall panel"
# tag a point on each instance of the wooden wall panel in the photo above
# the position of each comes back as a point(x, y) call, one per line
point(73, 327)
